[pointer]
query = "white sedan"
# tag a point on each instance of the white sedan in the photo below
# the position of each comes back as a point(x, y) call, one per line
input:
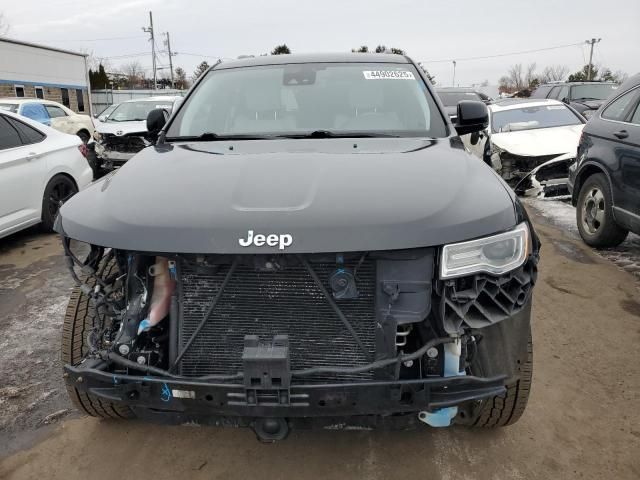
point(530, 143)
point(51, 114)
point(40, 168)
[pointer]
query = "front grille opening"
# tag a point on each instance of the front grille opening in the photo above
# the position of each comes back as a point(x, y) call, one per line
point(269, 303)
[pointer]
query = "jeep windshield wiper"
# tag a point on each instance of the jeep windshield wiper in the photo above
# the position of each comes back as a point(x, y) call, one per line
point(585, 98)
point(331, 134)
point(213, 137)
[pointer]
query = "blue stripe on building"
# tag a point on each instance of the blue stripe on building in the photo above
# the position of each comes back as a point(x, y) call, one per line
point(39, 84)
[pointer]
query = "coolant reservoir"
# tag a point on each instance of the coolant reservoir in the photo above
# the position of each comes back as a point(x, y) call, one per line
point(163, 287)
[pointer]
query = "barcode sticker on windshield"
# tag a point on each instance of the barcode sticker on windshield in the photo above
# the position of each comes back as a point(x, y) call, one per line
point(388, 75)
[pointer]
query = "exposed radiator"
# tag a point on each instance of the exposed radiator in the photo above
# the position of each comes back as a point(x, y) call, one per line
point(271, 303)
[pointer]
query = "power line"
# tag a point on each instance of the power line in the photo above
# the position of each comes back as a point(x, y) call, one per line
point(196, 55)
point(462, 59)
point(128, 55)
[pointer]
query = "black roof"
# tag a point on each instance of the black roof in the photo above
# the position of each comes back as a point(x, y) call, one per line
point(456, 89)
point(574, 83)
point(314, 58)
point(517, 100)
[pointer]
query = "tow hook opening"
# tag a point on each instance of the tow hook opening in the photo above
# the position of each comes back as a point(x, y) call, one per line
point(270, 430)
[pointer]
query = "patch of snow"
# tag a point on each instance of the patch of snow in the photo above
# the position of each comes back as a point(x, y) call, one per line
point(563, 215)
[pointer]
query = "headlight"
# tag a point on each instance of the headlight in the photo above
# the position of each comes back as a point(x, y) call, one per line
point(497, 254)
point(97, 135)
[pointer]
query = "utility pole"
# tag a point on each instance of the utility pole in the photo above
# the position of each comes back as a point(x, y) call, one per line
point(149, 30)
point(454, 73)
point(591, 42)
point(167, 42)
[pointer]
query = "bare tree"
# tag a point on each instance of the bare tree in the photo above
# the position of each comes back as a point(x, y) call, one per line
point(530, 78)
point(554, 73)
point(134, 72)
point(514, 76)
point(505, 85)
point(181, 78)
point(4, 25)
point(620, 76)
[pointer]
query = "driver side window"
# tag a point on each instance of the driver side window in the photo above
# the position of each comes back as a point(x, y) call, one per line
point(619, 108)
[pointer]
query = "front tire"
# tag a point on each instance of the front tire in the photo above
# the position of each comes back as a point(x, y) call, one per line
point(78, 321)
point(59, 189)
point(503, 410)
point(594, 214)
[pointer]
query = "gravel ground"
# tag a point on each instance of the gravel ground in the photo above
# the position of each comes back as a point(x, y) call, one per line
point(34, 291)
point(582, 420)
point(563, 215)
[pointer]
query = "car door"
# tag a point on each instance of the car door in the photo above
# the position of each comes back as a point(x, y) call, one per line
point(619, 125)
point(35, 111)
point(630, 164)
point(22, 170)
point(59, 119)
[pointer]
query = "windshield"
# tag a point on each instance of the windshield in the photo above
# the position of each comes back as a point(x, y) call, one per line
point(330, 98)
point(107, 111)
point(136, 111)
point(594, 91)
point(11, 107)
point(451, 99)
point(528, 118)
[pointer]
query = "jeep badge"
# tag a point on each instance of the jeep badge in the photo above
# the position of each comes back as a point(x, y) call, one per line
point(282, 241)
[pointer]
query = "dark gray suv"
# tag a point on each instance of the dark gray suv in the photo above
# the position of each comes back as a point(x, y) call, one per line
point(605, 179)
point(307, 242)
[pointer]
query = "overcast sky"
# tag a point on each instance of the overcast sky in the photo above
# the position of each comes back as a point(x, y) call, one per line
point(427, 30)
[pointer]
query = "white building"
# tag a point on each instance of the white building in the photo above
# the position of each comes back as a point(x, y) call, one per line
point(36, 71)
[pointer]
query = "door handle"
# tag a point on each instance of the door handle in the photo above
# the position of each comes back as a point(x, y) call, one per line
point(32, 156)
point(621, 134)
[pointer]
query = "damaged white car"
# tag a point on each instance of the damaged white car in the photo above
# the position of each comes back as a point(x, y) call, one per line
point(123, 133)
point(531, 144)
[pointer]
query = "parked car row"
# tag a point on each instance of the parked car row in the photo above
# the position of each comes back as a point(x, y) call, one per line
point(544, 146)
point(40, 168)
point(584, 97)
point(51, 114)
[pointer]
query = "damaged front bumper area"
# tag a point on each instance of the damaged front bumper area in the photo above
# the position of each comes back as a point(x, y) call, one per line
point(115, 151)
point(182, 400)
point(534, 176)
point(262, 340)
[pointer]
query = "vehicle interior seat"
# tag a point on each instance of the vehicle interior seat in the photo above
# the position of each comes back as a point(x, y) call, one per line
point(263, 111)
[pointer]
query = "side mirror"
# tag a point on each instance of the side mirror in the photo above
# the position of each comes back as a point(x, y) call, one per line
point(473, 116)
point(566, 100)
point(156, 119)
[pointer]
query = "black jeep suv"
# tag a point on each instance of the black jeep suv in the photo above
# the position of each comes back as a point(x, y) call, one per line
point(605, 179)
point(307, 242)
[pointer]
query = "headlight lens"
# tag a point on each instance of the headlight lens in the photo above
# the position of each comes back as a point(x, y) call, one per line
point(97, 135)
point(497, 254)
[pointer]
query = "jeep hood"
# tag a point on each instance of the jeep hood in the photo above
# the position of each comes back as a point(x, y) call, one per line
point(539, 141)
point(329, 194)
